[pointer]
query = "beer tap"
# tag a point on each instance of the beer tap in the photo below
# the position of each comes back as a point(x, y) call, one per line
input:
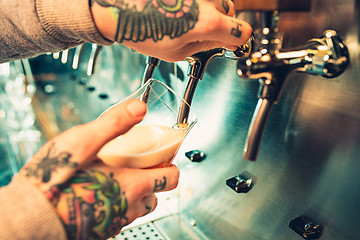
point(95, 49)
point(197, 66)
point(77, 56)
point(94, 53)
point(326, 56)
point(151, 64)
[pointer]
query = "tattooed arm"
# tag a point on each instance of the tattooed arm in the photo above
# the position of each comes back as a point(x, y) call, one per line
point(93, 200)
point(170, 29)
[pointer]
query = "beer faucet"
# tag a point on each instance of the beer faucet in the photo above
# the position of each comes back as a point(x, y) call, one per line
point(95, 49)
point(94, 53)
point(197, 66)
point(77, 56)
point(151, 64)
point(326, 56)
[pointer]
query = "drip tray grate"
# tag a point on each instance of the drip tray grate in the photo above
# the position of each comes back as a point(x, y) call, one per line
point(146, 231)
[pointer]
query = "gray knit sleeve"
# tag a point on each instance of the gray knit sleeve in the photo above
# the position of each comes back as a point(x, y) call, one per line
point(27, 214)
point(32, 27)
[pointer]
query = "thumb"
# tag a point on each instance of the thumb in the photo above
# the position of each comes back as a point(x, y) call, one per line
point(59, 158)
point(114, 122)
point(84, 141)
point(119, 118)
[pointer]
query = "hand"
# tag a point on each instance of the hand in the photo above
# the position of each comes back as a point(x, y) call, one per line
point(93, 200)
point(170, 29)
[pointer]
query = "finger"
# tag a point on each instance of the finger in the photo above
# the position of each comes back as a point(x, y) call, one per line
point(114, 122)
point(149, 202)
point(225, 7)
point(143, 182)
point(83, 142)
point(164, 179)
point(149, 181)
point(119, 119)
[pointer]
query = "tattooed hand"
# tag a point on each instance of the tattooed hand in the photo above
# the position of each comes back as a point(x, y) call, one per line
point(170, 29)
point(93, 200)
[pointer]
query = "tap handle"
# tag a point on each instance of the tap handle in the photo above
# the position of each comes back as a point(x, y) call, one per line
point(242, 51)
point(199, 61)
point(327, 56)
point(246, 49)
point(339, 58)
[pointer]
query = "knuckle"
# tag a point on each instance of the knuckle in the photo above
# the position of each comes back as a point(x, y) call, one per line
point(212, 24)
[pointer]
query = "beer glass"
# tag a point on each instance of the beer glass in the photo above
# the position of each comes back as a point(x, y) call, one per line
point(155, 141)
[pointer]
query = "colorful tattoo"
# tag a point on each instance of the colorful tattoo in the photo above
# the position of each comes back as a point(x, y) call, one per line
point(156, 20)
point(49, 163)
point(160, 184)
point(226, 6)
point(96, 206)
point(236, 31)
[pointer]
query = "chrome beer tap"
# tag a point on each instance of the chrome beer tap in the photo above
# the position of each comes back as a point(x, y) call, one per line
point(95, 49)
point(151, 64)
point(77, 56)
point(326, 56)
point(197, 66)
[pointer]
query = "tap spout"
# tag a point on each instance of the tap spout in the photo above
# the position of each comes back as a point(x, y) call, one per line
point(256, 129)
point(198, 63)
point(77, 56)
point(184, 110)
point(151, 64)
point(95, 50)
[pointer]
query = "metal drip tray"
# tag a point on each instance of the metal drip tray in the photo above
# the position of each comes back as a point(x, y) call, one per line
point(146, 231)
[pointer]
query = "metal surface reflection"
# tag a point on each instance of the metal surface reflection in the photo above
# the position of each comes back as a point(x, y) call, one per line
point(327, 56)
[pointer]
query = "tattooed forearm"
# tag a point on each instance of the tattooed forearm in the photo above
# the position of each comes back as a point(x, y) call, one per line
point(96, 207)
point(156, 20)
point(160, 184)
point(45, 165)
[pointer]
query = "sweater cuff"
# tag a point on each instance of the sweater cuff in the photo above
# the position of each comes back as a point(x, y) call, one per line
point(27, 214)
point(69, 21)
